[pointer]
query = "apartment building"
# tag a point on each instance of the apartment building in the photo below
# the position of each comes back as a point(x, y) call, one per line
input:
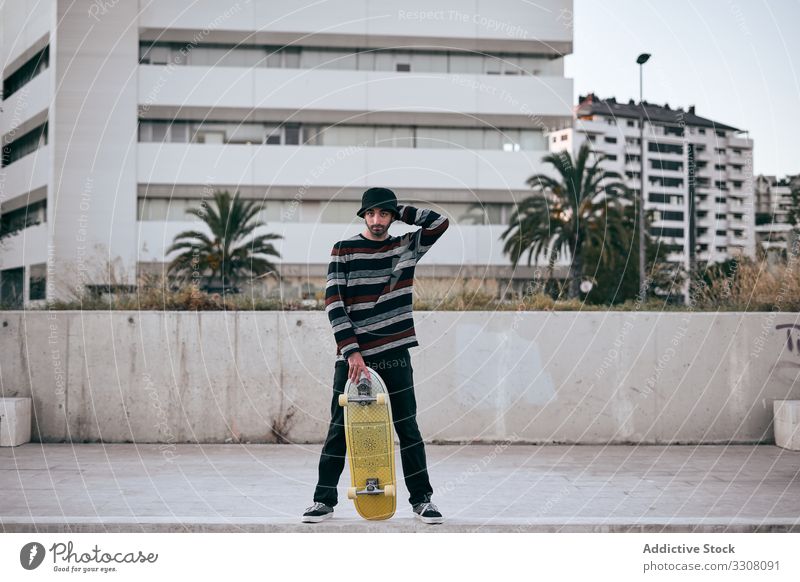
point(721, 173)
point(773, 201)
point(119, 116)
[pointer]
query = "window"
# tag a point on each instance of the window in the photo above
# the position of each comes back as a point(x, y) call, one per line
point(344, 58)
point(664, 231)
point(273, 135)
point(671, 215)
point(666, 182)
point(22, 218)
point(719, 151)
point(465, 63)
point(631, 123)
point(661, 198)
point(274, 57)
point(608, 139)
point(702, 131)
point(25, 74)
point(292, 134)
point(666, 148)
point(179, 132)
point(563, 137)
point(12, 282)
point(721, 232)
point(37, 282)
point(610, 157)
point(24, 145)
point(291, 57)
point(737, 151)
point(677, 131)
point(666, 165)
point(403, 137)
point(251, 133)
point(720, 216)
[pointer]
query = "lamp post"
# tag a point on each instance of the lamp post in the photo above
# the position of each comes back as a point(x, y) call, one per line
point(641, 60)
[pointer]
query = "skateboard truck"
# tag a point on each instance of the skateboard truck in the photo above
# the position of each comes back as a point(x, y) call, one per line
point(364, 389)
point(371, 488)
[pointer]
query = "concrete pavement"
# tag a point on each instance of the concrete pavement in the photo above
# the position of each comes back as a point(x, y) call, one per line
point(504, 488)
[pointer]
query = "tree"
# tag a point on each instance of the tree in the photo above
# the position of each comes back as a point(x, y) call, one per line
point(582, 212)
point(227, 256)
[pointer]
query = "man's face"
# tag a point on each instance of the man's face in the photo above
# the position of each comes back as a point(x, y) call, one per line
point(378, 221)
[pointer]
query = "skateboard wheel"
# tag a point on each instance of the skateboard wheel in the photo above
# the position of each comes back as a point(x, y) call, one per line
point(342, 399)
point(389, 491)
point(381, 399)
point(351, 493)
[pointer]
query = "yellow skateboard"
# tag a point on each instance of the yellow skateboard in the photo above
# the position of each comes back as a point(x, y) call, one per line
point(370, 446)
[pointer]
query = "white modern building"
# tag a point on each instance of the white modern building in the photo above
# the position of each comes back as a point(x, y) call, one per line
point(118, 116)
point(773, 201)
point(723, 171)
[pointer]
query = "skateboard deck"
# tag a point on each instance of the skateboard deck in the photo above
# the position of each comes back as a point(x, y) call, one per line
point(370, 447)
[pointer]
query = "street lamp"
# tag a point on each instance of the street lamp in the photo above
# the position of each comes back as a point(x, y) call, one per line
point(641, 60)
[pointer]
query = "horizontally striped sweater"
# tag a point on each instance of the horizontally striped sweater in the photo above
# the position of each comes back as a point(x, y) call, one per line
point(368, 296)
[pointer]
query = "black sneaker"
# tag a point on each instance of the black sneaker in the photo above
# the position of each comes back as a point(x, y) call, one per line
point(317, 513)
point(427, 513)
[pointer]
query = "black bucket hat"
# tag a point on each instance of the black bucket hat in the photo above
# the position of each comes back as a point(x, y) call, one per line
point(379, 198)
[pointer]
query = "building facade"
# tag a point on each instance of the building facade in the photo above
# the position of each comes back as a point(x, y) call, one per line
point(773, 201)
point(721, 173)
point(119, 116)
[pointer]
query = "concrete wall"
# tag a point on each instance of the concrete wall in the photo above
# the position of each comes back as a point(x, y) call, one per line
point(541, 377)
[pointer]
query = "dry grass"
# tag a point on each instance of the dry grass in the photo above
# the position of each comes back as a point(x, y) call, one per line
point(153, 294)
point(750, 286)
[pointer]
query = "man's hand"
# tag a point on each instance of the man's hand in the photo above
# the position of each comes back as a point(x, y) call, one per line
point(357, 366)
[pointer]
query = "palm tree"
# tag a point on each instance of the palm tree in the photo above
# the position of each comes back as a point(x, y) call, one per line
point(224, 258)
point(584, 210)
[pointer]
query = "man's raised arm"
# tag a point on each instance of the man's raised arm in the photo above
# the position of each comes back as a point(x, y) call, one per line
point(335, 293)
point(433, 226)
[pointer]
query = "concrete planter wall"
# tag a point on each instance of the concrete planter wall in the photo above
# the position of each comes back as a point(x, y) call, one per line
point(480, 376)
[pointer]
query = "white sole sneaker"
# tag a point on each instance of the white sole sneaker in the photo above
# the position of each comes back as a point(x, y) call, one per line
point(429, 520)
point(316, 518)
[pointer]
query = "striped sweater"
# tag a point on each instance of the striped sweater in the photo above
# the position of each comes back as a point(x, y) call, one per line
point(368, 295)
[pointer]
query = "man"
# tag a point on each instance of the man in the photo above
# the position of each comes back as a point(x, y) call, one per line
point(368, 299)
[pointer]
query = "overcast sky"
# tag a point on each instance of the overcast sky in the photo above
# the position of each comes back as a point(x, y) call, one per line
point(737, 61)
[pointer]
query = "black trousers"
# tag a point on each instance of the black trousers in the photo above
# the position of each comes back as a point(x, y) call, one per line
point(395, 369)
